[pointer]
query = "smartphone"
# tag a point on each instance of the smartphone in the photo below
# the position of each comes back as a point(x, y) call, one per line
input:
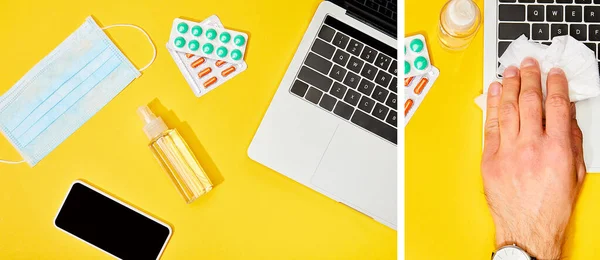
point(111, 225)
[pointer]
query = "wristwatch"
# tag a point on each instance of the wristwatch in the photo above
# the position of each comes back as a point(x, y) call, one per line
point(511, 252)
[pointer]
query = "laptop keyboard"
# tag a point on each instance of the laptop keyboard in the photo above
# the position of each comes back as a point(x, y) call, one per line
point(351, 75)
point(542, 20)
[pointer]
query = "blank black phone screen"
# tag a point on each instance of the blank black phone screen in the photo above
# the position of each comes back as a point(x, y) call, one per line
point(109, 225)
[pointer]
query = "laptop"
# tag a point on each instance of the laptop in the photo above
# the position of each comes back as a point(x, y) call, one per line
point(541, 20)
point(332, 124)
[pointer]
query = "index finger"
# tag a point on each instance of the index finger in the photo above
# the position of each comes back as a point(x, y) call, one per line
point(558, 119)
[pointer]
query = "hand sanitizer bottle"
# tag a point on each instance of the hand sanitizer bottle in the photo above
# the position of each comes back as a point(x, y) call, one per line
point(459, 22)
point(175, 157)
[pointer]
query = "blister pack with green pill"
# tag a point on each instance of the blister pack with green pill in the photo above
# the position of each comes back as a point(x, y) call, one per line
point(416, 56)
point(208, 41)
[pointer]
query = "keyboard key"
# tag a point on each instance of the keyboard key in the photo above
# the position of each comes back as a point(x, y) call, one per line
point(558, 30)
point(355, 64)
point(324, 49)
point(337, 73)
point(368, 54)
point(326, 33)
point(327, 102)
point(344, 110)
point(383, 61)
point(545, 1)
point(371, 4)
point(573, 13)
point(526, 1)
point(564, 1)
point(592, 47)
point(540, 32)
point(380, 94)
point(547, 43)
point(338, 90)
point(392, 118)
point(594, 34)
point(578, 31)
point(341, 57)
point(383, 78)
point(314, 95)
point(375, 126)
point(535, 13)
point(392, 101)
point(318, 63)
point(394, 68)
point(314, 78)
point(368, 71)
point(583, 1)
point(354, 47)
point(340, 40)
point(502, 46)
point(380, 111)
point(299, 88)
point(352, 97)
point(394, 85)
point(596, 1)
point(591, 14)
point(512, 13)
point(366, 104)
point(512, 31)
point(507, 1)
point(351, 80)
point(554, 13)
point(366, 87)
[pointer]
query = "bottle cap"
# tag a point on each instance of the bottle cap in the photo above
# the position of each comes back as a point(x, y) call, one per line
point(153, 125)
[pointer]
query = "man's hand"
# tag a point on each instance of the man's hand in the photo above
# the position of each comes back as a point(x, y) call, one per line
point(532, 170)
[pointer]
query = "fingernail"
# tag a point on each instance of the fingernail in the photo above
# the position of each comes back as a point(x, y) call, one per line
point(528, 62)
point(510, 72)
point(495, 89)
point(556, 71)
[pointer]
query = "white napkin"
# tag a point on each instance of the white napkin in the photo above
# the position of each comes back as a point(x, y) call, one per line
point(573, 57)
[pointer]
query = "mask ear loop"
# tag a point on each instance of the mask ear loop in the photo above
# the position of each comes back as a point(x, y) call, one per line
point(11, 162)
point(147, 36)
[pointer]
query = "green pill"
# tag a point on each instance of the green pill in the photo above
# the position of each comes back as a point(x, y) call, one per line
point(194, 45)
point(182, 27)
point(239, 40)
point(225, 37)
point(236, 54)
point(211, 34)
point(421, 63)
point(208, 48)
point(196, 30)
point(179, 42)
point(222, 52)
point(416, 45)
point(406, 67)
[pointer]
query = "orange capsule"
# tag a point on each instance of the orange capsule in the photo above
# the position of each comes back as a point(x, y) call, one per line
point(421, 85)
point(197, 62)
point(407, 105)
point(228, 71)
point(220, 63)
point(210, 82)
point(189, 55)
point(204, 72)
point(407, 81)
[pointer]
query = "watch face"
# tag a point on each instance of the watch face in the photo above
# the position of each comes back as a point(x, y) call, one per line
point(511, 253)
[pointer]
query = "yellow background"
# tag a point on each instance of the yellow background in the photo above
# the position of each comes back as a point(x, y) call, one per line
point(446, 213)
point(253, 212)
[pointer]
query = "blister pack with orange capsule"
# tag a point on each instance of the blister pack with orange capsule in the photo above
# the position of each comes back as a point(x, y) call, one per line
point(415, 89)
point(205, 74)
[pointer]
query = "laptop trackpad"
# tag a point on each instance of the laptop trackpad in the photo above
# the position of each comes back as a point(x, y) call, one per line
point(361, 170)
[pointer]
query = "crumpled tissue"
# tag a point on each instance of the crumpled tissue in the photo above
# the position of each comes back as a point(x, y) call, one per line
point(573, 57)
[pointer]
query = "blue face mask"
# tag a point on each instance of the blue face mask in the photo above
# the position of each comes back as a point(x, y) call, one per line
point(64, 90)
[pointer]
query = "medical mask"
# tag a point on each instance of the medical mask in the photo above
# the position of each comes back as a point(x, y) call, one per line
point(64, 90)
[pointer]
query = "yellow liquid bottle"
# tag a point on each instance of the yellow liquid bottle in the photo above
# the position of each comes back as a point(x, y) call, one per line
point(175, 157)
point(459, 22)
